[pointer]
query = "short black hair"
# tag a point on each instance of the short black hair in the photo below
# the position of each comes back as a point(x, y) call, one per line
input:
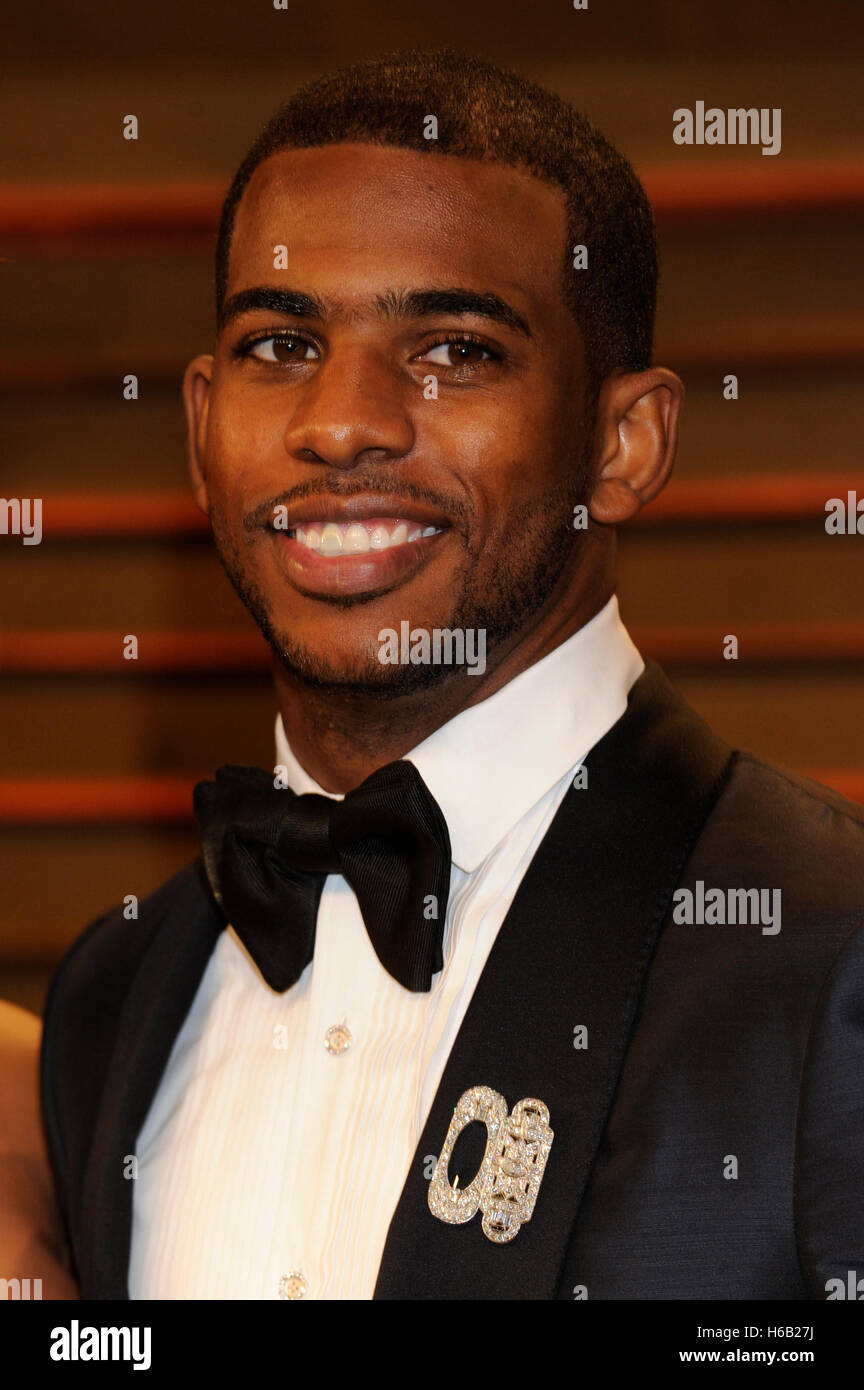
point(486, 113)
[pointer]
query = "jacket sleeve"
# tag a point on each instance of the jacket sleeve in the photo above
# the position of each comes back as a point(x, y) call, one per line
point(829, 1189)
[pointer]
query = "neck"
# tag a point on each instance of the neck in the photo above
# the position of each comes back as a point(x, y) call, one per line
point(342, 737)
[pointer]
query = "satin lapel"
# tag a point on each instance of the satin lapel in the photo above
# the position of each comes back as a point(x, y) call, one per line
point(573, 951)
point(153, 1014)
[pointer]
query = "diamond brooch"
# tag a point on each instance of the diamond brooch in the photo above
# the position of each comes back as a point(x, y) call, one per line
point(506, 1184)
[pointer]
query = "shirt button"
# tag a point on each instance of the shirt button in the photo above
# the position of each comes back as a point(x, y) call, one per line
point(292, 1285)
point(337, 1039)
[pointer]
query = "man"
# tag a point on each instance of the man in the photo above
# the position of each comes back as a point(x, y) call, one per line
point(466, 885)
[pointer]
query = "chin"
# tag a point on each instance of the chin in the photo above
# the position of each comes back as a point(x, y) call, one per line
point(358, 671)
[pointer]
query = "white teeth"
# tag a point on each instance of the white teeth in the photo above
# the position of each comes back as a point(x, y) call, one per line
point(331, 540)
point(355, 540)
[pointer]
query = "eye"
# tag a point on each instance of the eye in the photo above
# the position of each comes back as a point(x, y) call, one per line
point(459, 352)
point(284, 348)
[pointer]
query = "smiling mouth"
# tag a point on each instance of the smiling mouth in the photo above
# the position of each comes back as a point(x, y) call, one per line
point(331, 539)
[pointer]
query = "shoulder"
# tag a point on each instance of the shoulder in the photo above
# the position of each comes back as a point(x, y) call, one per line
point(815, 815)
point(112, 946)
point(90, 990)
point(803, 793)
point(774, 829)
point(94, 978)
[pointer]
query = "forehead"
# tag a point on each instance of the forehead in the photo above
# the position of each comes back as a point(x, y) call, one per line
point(352, 214)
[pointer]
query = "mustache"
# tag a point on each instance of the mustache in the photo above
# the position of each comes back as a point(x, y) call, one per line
point(370, 485)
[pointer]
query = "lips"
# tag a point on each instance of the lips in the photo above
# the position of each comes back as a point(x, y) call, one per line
point(361, 507)
point(333, 547)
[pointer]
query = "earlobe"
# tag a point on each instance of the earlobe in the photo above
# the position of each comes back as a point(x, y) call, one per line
point(196, 400)
point(613, 501)
point(637, 433)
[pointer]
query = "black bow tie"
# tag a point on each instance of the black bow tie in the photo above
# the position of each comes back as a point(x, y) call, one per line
point(267, 852)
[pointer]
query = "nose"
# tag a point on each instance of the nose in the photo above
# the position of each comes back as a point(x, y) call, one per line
point(354, 410)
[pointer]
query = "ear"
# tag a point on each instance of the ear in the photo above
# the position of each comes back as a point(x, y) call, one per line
point(635, 441)
point(196, 400)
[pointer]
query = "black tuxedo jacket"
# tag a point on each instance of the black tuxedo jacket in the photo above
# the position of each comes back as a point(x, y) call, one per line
point(709, 1139)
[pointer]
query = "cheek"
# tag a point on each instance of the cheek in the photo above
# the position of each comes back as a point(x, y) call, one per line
point(509, 468)
point(243, 435)
point(502, 450)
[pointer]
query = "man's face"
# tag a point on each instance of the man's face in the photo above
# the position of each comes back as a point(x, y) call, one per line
point(348, 490)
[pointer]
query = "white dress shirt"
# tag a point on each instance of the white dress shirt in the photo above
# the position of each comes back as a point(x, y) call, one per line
point(269, 1165)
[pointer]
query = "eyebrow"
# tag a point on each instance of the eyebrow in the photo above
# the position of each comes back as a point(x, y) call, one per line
point(418, 303)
